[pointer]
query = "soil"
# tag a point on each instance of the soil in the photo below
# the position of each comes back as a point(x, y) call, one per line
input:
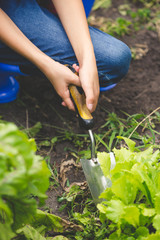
point(138, 92)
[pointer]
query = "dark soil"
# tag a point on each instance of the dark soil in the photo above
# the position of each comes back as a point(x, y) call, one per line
point(138, 92)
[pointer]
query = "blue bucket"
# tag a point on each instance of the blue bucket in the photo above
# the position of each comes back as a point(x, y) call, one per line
point(88, 4)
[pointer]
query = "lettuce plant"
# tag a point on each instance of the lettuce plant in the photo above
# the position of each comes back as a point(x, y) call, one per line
point(131, 206)
point(24, 179)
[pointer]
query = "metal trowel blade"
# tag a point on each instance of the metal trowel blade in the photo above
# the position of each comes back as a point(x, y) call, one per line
point(96, 180)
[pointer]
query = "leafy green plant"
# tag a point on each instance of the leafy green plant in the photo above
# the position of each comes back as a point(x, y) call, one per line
point(139, 18)
point(73, 200)
point(130, 207)
point(92, 227)
point(118, 27)
point(24, 180)
point(132, 203)
point(23, 176)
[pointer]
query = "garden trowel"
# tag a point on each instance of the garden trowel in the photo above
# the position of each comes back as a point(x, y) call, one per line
point(96, 180)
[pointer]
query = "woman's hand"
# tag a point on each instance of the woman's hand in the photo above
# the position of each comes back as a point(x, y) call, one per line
point(61, 77)
point(90, 83)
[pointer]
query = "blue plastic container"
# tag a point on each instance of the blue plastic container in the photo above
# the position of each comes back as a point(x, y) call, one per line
point(88, 4)
point(9, 86)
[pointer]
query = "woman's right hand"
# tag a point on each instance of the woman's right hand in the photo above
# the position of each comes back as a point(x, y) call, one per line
point(61, 77)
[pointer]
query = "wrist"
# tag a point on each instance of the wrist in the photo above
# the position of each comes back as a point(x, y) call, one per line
point(42, 61)
point(88, 61)
point(86, 56)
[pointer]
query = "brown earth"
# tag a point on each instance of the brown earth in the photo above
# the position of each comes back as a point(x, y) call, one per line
point(138, 92)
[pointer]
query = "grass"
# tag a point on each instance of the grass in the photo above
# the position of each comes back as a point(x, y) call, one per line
point(139, 127)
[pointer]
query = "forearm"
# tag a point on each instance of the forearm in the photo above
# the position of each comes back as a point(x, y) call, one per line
point(73, 18)
point(11, 35)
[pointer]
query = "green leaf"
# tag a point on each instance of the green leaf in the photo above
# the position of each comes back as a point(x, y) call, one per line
point(51, 221)
point(125, 188)
point(131, 215)
point(6, 232)
point(102, 208)
point(114, 210)
point(123, 155)
point(120, 168)
point(141, 231)
point(146, 156)
point(45, 143)
point(131, 144)
point(54, 140)
point(107, 194)
point(147, 212)
point(157, 203)
point(143, 173)
point(5, 210)
point(32, 132)
point(30, 233)
point(82, 218)
point(156, 222)
point(24, 210)
point(105, 162)
point(154, 236)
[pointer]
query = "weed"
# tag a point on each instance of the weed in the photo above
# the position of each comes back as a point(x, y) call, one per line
point(118, 27)
point(116, 126)
point(54, 182)
point(73, 200)
point(133, 20)
point(34, 130)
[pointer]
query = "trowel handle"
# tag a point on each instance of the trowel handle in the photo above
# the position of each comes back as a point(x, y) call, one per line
point(79, 99)
point(85, 117)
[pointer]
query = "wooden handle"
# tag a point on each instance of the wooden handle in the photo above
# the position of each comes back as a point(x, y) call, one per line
point(85, 118)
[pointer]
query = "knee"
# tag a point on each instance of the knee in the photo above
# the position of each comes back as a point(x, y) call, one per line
point(121, 61)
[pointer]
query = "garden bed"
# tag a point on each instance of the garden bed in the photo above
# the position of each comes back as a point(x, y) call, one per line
point(138, 92)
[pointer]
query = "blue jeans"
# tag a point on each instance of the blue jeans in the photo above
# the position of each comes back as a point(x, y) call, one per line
point(45, 30)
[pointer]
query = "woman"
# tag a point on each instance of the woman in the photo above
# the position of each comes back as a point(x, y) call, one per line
point(32, 35)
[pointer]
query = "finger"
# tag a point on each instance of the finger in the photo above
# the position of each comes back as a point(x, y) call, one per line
point(90, 100)
point(76, 67)
point(63, 104)
point(75, 80)
point(69, 104)
point(67, 101)
point(92, 95)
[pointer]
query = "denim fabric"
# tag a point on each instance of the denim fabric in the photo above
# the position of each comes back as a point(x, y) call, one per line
point(45, 30)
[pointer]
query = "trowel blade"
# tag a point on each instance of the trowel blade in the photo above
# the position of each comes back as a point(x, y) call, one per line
point(96, 180)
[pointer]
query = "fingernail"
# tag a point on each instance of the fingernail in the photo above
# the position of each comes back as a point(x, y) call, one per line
point(90, 106)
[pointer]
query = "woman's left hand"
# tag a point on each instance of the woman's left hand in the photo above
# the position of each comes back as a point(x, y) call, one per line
point(90, 83)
